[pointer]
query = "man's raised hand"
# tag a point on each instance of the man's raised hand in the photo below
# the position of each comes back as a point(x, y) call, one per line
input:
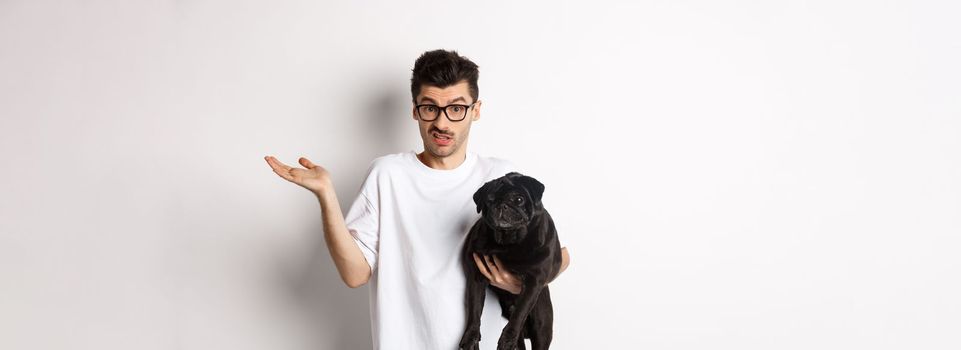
point(314, 178)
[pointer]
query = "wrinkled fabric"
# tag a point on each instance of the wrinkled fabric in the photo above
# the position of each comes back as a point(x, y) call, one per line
point(411, 221)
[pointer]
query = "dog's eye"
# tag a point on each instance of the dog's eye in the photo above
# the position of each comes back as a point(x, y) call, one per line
point(519, 200)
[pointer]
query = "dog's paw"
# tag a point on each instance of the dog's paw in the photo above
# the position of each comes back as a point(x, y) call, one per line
point(508, 340)
point(469, 340)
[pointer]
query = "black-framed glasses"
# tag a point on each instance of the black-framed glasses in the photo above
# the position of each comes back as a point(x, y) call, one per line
point(454, 113)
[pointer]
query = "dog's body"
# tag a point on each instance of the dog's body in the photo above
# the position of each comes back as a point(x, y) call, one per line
point(522, 235)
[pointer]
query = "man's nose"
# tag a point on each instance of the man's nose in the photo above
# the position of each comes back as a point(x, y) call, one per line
point(442, 123)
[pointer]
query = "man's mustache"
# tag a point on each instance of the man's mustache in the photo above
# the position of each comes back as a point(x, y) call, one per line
point(438, 131)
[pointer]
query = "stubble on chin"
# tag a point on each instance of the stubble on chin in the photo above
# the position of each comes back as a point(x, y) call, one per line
point(436, 151)
point(440, 154)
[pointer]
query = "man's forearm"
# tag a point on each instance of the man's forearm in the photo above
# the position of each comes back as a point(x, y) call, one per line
point(350, 261)
point(565, 260)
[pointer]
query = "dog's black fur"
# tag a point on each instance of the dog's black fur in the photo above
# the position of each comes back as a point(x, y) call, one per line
point(515, 227)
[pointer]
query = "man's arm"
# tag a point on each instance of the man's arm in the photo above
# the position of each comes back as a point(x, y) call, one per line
point(502, 278)
point(565, 260)
point(350, 261)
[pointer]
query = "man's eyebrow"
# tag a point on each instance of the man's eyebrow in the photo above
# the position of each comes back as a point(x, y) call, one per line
point(461, 98)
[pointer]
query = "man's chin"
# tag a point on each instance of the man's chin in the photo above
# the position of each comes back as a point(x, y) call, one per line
point(441, 152)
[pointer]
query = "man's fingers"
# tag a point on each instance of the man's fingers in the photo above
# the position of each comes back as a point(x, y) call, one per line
point(287, 174)
point(495, 271)
point(285, 171)
point(481, 267)
point(502, 272)
point(279, 168)
point(277, 165)
point(274, 163)
point(306, 163)
point(497, 261)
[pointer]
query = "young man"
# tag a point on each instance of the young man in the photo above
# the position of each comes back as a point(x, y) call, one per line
point(405, 230)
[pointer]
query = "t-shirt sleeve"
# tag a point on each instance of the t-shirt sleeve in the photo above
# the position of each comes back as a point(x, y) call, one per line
point(363, 220)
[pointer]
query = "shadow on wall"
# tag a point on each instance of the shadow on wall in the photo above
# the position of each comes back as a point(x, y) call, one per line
point(389, 117)
point(340, 314)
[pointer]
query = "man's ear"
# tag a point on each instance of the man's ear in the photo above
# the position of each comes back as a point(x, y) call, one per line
point(534, 187)
point(481, 194)
point(477, 109)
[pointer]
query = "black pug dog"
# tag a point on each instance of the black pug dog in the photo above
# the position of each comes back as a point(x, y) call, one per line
point(515, 227)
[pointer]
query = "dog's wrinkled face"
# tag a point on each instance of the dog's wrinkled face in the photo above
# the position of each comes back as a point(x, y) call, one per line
point(508, 204)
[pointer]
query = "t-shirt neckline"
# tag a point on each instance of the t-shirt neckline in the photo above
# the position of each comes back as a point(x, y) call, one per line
point(469, 160)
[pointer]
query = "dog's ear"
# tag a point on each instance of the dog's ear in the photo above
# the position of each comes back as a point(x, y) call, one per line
point(534, 187)
point(481, 194)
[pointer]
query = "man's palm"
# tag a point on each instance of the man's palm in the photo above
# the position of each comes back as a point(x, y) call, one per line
point(314, 177)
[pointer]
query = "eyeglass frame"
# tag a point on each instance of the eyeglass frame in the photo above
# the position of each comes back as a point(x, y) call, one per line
point(444, 109)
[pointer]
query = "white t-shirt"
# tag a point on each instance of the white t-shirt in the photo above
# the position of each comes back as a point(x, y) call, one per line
point(411, 221)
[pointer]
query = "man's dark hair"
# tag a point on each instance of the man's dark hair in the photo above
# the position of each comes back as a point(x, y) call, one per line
point(443, 68)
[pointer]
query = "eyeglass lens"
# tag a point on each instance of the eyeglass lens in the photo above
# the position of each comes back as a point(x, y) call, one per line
point(431, 112)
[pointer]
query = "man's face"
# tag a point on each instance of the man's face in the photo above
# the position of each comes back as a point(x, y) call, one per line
point(457, 131)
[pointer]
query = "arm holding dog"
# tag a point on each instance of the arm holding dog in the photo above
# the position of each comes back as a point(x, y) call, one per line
point(565, 260)
point(502, 278)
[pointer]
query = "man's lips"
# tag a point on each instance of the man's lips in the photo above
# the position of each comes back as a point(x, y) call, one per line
point(442, 139)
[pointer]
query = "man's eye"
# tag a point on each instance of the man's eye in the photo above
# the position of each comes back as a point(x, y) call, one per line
point(431, 109)
point(457, 109)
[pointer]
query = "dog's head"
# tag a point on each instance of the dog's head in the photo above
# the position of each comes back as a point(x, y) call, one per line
point(509, 203)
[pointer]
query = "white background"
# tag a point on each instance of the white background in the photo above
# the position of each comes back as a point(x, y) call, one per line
point(726, 175)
